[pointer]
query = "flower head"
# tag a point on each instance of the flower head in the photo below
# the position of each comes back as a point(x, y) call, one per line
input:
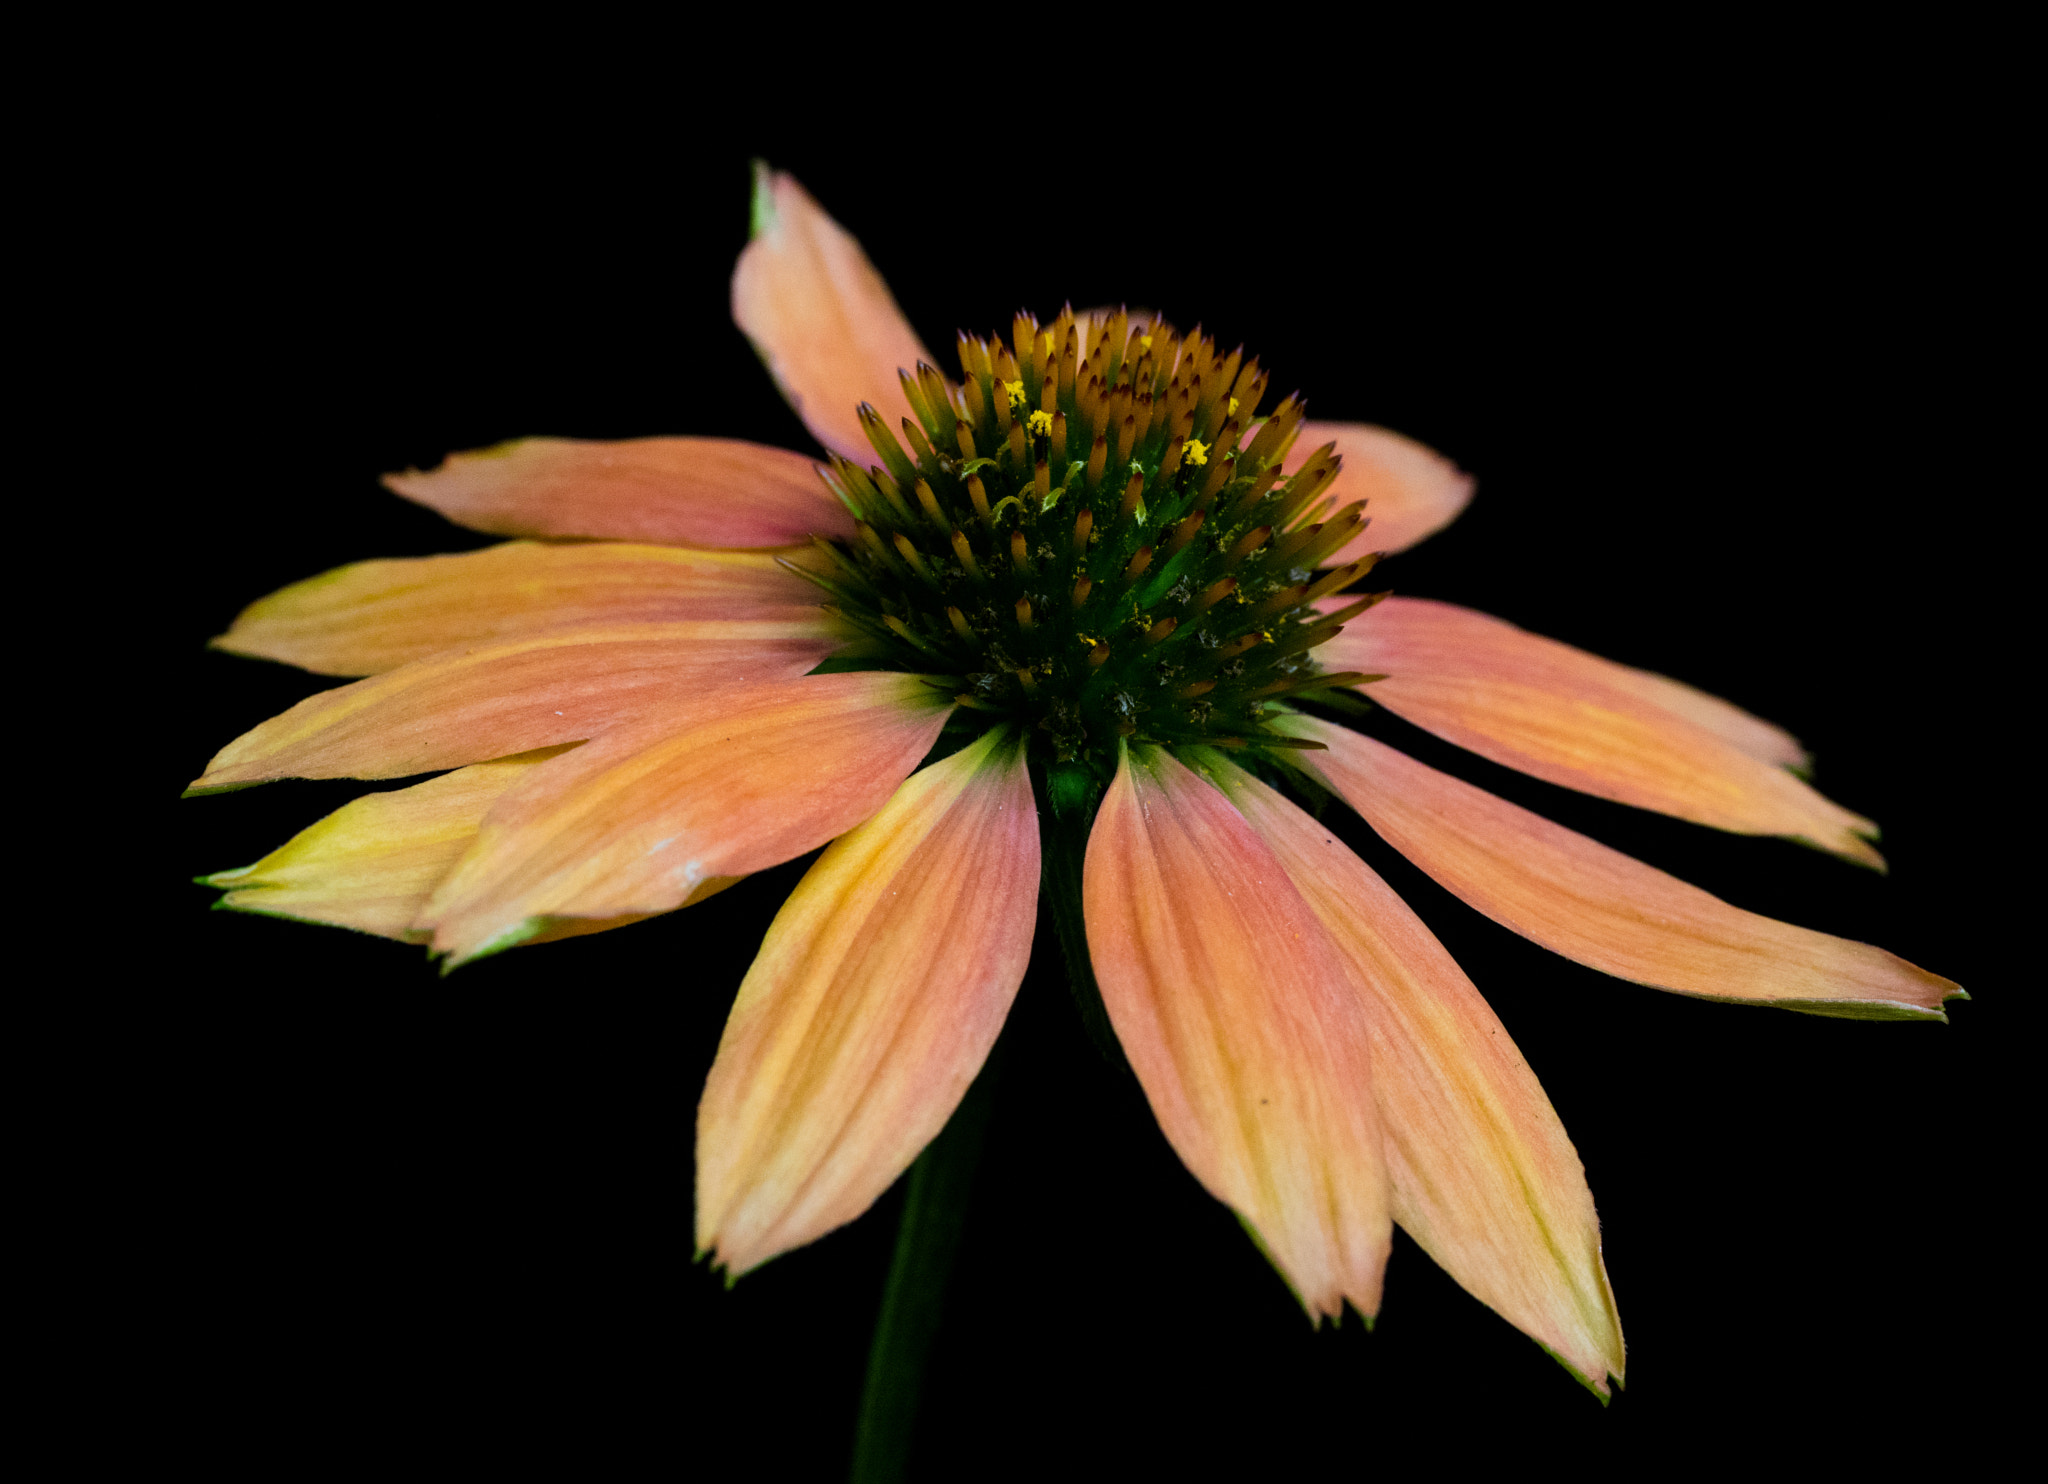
point(1083, 615)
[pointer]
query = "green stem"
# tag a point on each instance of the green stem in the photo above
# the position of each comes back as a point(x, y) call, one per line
point(1069, 794)
point(927, 1242)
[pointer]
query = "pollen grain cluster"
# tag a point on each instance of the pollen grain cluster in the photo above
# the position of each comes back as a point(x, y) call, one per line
point(1091, 534)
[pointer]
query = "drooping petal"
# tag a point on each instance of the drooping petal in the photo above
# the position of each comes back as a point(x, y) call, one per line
point(561, 685)
point(1574, 719)
point(1410, 491)
point(820, 317)
point(1604, 909)
point(371, 864)
point(1482, 1173)
point(721, 783)
point(706, 492)
point(874, 1001)
point(1243, 1024)
point(370, 617)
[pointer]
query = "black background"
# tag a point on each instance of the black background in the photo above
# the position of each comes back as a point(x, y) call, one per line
point(1725, 403)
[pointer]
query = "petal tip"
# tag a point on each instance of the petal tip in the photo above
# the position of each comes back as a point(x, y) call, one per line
point(762, 218)
point(199, 788)
point(454, 956)
point(1608, 1371)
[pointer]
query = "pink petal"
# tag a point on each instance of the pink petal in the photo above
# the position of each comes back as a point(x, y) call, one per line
point(1574, 719)
point(1483, 1175)
point(561, 685)
point(1410, 491)
point(1605, 909)
point(821, 317)
point(1243, 1024)
point(707, 492)
point(874, 1001)
point(717, 784)
point(375, 616)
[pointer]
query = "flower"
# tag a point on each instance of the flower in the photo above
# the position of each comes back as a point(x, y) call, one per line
point(631, 725)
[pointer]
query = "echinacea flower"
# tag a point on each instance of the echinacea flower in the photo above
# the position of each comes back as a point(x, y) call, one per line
point(1084, 592)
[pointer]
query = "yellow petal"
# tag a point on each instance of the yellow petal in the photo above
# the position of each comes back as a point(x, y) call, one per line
point(1243, 1024)
point(540, 690)
point(375, 616)
point(716, 784)
point(1574, 719)
point(821, 317)
point(1483, 1175)
point(1599, 907)
point(872, 1005)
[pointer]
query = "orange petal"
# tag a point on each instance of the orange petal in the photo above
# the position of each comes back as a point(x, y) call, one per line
point(720, 784)
point(562, 685)
point(1574, 719)
point(820, 317)
point(1482, 1173)
point(1410, 491)
point(1605, 909)
point(1243, 1024)
point(375, 616)
point(672, 491)
point(874, 1001)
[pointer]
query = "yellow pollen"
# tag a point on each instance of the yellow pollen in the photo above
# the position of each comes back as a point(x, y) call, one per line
point(1015, 391)
point(1231, 410)
point(1050, 344)
point(1144, 342)
point(1040, 423)
point(1197, 453)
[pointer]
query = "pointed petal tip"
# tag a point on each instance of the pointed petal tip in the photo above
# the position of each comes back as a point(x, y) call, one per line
point(251, 903)
point(454, 957)
point(199, 788)
point(1600, 1389)
point(1856, 1009)
point(1852, 845)
point(761, 216)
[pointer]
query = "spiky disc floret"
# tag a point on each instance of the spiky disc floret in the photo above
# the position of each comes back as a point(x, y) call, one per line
point(1083, 534)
